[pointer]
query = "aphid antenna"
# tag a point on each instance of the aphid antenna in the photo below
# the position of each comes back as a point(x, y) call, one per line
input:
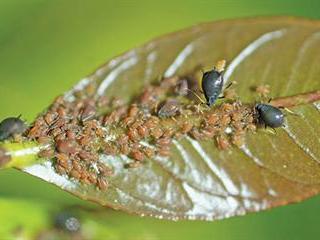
point(201, 100)
point(290, 111)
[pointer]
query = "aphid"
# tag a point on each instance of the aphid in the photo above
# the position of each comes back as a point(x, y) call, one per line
point(222, 142)
point(169, 109)
point(50, 117)
point(263, 90)
point(269, 115)
point(46, 153)
point(133, 111)
point(102, 184)
point(137, 155)
point(182, 88)
point(75, 174)
point(156, 132)
point(212, 83)
point(66, 146)
point(143, 131)
point(149, 152)
point(63, 161)
point(67, 222)
point(133, 135)
point(186, 127)
point(163, 141)
point(11, 126)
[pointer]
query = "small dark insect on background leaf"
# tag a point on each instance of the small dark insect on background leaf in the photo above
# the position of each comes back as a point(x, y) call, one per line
point(198, 181)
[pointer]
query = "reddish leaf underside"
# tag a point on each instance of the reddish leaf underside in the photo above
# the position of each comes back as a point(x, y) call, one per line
point(199, 181)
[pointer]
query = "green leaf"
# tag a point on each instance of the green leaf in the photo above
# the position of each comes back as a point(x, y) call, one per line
point(198, 180)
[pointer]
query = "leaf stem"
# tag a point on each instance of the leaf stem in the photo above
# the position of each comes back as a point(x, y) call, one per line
point(19, 155)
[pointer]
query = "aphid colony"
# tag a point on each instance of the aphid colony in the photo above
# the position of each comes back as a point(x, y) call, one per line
point(76, 133)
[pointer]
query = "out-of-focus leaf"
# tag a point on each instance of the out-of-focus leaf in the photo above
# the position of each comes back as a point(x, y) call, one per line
point(198, 181)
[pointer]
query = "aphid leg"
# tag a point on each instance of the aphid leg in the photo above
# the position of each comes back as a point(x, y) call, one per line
point(273, 131)
point(173, 118)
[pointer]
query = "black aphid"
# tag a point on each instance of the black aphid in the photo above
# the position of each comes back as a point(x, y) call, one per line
point(269, 115)
point(11, 126)
point(212, 83)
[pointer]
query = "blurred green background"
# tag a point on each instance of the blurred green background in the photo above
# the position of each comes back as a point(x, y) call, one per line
point(46, 46)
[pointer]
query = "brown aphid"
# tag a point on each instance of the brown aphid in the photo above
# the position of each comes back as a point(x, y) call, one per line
point(75, 174)
point(88, 156)
point(236, 116)
point(64, 161)
point(143, 131)
point(88, 111)
point(77, 165)
point(137, 155)
point(169, 109)
point(212, 119)
point(182, 88)
point(36, 132)
point(46, 153)
point(133, 135)
point(123, 139)
point(169, 82)
point(263, 90)
point(60, 169)
point(156, 132)
point(92, 177)
point(128, 121)
point(84, 140)
point(164, 151)
point(196, 134)
point(133, 164)
point(227, 107)
point(44, 140)
point(50, 117)
point(151, 122)
point(60, 122)
point(102, 184)
point(163, 141)
point(104, 170)
point(124, 149)
point(66, 146)
point(71, 135)
point(186, 127)
point(222, 142)
point(238, 139)
point(61, 112)
point(149, 152)
point(230, 94)
point(110, 149)
point(133, 111)
point(59, 137)
point(55, 132)
point(137, 123)
point(225, 120)
point(208, 132)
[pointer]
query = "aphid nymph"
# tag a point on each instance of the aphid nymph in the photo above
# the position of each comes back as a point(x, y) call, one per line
point(269, 115)
point(212, 83)
point(11, 126)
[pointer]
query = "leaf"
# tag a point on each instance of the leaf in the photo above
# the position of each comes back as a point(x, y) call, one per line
point(198, 180)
